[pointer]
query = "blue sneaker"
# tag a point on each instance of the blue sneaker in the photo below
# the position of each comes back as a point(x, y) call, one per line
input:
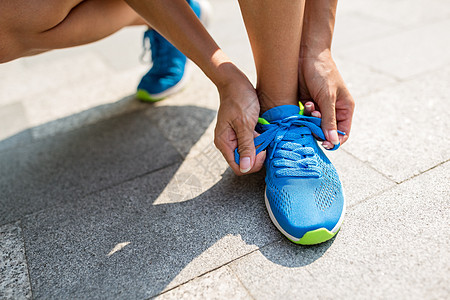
point(171, 68)
point(304, 195)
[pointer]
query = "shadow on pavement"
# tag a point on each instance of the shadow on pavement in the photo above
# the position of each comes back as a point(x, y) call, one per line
point(110, 216)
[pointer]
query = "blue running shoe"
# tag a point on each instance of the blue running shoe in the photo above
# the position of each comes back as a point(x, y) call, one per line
point(304, 196)
point(170, 70)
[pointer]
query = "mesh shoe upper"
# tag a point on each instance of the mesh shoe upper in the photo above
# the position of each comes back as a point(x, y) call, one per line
point(168, 63)
point(302, 186)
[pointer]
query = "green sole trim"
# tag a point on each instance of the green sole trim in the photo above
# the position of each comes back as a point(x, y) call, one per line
point(145, 96)
point(315, 237)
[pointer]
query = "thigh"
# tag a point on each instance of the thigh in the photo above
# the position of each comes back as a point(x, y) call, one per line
point(22, 20)
point(23, 16)
point(42, 25)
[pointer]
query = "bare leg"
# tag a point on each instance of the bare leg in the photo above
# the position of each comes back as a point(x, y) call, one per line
point(274, 29)
point(47, 25)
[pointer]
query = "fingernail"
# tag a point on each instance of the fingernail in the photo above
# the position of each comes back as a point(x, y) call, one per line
point(244, 164)
point(333, 137)
point(315, 114)
point(326, 146)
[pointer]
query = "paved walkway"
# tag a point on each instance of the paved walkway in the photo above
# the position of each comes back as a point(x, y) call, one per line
point(105, 197)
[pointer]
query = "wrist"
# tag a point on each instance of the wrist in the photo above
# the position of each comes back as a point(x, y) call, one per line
point(220, 69)
point(316, 52)
point(229, 78)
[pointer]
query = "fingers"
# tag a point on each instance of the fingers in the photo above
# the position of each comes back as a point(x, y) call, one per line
point(344, 125)
point(226, 141)
point(345, 115)
point(244, 129)
point(316, 114)
point(327, 145)
point(310, 111)
point(329, 126)
point(309, 108)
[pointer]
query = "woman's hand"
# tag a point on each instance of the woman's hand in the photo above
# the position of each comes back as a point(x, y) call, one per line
point(235, 128)
point(321, 82)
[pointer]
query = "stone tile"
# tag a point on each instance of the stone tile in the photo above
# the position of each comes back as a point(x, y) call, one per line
point(405, 54)
point(100, 93)
point(390, 247)
point(9, 73)
point(402, 130)
point(35, 75)
point(16, 140)
point(360, 181)
point(183, 125)
point(119, 51)
point(69, 165)
point(126, 242)
point(228, 30)
point(12, 120)
point(219, 284)
point(405, 13)
point(200, 91)
point(354, 28)
point(14, 283)
point(362, 80)
point(55, 121)
point(277, 270)
point(122, 50)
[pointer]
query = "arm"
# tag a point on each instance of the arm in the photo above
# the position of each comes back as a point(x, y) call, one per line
point(178, 24)
point(320, 79)
point(239, 107)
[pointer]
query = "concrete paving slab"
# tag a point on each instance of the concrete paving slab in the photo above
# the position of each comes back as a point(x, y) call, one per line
point(122, 242)
point(199, 220)
point(359, 180)
point(362, 80)
point(13, 120)
point(199, 91)
point(402, 130)
point(355, 28)
point(8, 70)
point(393, 246)
point(76, 98)
point(122, 50)
point(219, 284)
point(57, 120)
point(67, 166)
point(174, 230)
point(14, 281)
point(16, 140)
point(183, 125)
point(405, 54)
point(405, 13)
point(47, 74)
point(228, 30)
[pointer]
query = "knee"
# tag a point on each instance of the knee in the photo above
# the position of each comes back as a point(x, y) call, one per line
point(11, 47)
point(6, 48)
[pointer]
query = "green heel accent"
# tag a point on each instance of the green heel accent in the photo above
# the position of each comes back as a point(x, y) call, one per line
point(316, 237)
point(144, 96)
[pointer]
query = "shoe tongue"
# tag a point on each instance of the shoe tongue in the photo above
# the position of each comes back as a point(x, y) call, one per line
point(280, 112)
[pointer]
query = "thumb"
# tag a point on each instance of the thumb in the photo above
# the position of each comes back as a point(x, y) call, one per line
point(246, 148)
point(329, 126)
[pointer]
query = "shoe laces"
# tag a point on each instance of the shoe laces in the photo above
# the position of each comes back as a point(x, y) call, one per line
point(290, 145)
point(158, 46)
